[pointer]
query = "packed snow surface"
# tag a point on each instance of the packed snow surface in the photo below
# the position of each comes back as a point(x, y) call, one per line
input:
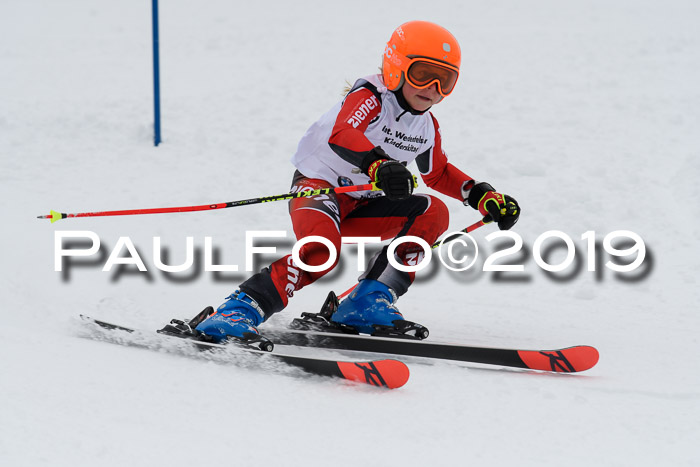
point(587, 112)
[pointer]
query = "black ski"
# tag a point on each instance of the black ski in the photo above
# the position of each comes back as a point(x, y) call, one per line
point(572, 359)
point(384, 373)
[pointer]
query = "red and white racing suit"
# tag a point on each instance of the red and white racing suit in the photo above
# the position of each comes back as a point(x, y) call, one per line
point(330, 154)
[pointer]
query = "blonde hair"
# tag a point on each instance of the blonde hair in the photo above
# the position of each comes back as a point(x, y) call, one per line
point(348, 86)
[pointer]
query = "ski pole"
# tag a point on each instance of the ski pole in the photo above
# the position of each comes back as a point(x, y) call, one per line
point(456, 235)
point(55, 216)
point(452, 237)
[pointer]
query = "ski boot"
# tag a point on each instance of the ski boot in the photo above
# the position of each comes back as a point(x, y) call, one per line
point(369, 309)
point(234, 321)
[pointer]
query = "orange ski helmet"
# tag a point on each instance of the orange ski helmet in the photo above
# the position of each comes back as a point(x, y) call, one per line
point(421, 53)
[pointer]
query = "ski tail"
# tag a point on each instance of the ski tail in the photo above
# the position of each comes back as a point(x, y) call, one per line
point(569, 360)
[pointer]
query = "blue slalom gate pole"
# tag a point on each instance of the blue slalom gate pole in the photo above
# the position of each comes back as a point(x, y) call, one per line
point(156, 76)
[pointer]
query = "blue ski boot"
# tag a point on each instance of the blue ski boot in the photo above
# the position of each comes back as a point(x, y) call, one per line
point(370, 310)
point(237, 318)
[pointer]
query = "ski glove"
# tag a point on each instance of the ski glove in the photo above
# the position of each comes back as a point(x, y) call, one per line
point(502, 209)
point(392, 177)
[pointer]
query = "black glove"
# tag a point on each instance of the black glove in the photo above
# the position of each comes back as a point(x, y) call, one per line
point(392, 177)
point(494, 206)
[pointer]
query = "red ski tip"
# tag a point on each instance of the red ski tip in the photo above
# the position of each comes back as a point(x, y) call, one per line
point(570, 360)
point(390, 374)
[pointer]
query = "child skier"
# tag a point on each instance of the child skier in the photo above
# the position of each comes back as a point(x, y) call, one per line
point(382, 124)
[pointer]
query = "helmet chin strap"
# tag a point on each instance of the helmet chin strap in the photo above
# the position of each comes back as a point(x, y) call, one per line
point(405, 105)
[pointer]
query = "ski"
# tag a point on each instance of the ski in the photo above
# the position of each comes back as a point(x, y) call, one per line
point(385, 373)
point(567, 360)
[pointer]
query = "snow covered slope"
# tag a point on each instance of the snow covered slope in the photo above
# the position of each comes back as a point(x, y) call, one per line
point(587, 112)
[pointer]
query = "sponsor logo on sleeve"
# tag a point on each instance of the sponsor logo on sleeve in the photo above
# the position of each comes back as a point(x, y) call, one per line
point(363, 111)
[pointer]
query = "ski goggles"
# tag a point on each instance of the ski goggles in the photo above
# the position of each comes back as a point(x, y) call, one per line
point(423, 72)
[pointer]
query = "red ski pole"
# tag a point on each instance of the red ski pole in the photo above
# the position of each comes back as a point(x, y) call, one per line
point(54, 216)
point(456, 235)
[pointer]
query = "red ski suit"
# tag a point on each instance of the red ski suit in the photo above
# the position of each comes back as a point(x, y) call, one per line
point(329, 155)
